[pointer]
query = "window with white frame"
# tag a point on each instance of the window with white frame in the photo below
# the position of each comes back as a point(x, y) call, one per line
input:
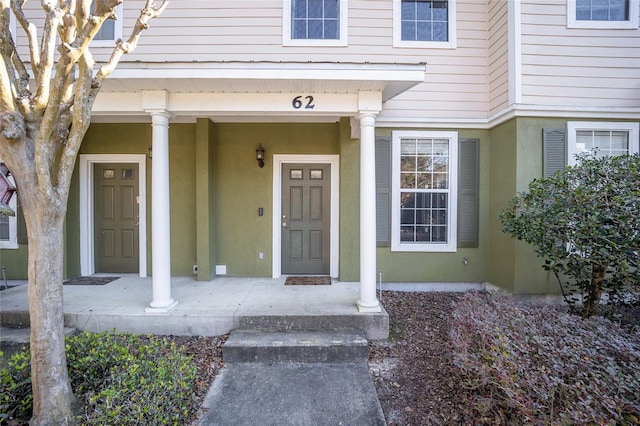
point(424, 191)
point(9, 225)
point(608, 138)
point(315, 22)
point(110, 31)
point(602, 14)
point(424, 23)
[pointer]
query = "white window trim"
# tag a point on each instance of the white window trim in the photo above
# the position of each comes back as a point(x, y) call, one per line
point(286, 28)
point(117, 30)
point(574, 126)
point(452, 217)
point(632, 23)
point(397, 30)
point(86, 163)
point(12, 242)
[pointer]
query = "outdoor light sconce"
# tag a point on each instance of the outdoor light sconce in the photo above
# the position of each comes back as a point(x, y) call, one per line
point(260, 156)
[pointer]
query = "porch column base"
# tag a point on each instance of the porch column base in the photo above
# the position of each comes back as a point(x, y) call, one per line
point(362, 307)
point(161, 309)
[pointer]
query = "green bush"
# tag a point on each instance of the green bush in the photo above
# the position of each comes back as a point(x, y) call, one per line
point(584, 222)
point(535, 364)
point(15, 387)
point(118, 378)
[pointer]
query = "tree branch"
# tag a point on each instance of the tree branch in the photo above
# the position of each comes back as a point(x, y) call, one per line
point(149, 12)
point(32, 35)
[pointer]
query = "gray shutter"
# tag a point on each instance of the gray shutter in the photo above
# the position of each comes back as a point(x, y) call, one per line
point(22, 226)
point(468, 192)
point(554, 151)
point(383, 191)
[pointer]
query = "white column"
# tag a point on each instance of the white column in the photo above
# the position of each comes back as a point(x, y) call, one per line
point(368, 301)
point(160, 218)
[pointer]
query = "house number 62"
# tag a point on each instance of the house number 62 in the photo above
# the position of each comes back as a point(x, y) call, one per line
point(297, 102)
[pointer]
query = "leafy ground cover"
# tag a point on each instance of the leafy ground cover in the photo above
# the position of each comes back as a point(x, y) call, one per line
point(481, 358)
point(451, 359)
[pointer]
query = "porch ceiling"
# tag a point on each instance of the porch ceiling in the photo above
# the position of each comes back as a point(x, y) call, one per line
point(257, 78)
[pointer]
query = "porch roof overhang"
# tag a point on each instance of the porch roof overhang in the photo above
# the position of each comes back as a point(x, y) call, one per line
point(250, 91)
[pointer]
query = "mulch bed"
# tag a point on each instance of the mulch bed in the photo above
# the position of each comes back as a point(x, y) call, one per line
point(313, 280)
point(89, 280)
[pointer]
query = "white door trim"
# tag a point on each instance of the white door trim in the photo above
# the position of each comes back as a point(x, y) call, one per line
point(334, 162)
point(87, 161)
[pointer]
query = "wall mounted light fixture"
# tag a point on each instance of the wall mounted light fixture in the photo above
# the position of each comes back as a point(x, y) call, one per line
point(260, 156)
point(150, 152)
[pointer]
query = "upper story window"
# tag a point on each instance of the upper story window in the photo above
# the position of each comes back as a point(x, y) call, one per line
point(617, 138)
point(315, 23)
point(424, 23)
point(602, 14)
point(110, 31)
point(424, 191)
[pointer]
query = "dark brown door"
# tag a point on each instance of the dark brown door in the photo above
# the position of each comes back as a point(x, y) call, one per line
point(306, 198)
point(116, 217)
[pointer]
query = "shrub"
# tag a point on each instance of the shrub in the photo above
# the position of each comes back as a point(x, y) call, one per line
point(118, 378)
point(15, 387)
point(584, 222)
point(534, 364)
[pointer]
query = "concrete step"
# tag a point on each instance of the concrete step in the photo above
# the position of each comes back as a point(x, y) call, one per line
point(375, 326)
point(312, 347)
point(13, 339)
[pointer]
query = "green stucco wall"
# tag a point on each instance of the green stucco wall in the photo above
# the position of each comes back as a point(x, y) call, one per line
point(445, 267)
point(241, 187)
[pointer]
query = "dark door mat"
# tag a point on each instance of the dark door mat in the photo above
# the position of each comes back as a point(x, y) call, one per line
point(319, 280)
point(89, 280)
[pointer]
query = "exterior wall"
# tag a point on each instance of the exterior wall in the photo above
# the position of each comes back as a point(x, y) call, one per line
point(349, 204)
point(445, 267)
point(242, 187)
point(15, 262)
point(576, 66)
point(498, 66)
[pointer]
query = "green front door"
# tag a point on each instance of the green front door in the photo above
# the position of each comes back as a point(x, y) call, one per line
point(306, 198)
point(116, 217)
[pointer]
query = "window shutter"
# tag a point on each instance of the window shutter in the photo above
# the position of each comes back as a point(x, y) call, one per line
point(22, 226)
point(554, 151)
point(468, 192)
point(383, 191)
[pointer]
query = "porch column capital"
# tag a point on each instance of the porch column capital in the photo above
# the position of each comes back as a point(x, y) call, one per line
point(368, 301)
point(160, 218)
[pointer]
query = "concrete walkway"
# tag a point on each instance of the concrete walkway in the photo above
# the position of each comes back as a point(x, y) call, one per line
point(206, 308)
point(308, 374)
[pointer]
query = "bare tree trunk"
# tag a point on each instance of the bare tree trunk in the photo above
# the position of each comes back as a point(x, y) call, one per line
point(591, 305)
point(52, 395)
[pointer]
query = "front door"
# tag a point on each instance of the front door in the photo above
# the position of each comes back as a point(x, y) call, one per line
point(116, 217)
point(306, 219)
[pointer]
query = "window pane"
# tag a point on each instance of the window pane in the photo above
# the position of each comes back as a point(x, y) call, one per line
point(620, 141)
point(315, 29)
point(299, 9)
point(423, 217)
point(408, 10)
point(315, 8)
point(602, 10)
point(331, 30)
point(299, 28)
point(331, 9)
point(4, 228)
point(424, 20)
point(316, 19)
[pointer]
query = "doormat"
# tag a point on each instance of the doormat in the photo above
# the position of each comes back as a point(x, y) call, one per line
point(319, 280)
point(89, 280)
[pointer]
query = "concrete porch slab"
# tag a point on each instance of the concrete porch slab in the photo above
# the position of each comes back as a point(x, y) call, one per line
point(205, 308)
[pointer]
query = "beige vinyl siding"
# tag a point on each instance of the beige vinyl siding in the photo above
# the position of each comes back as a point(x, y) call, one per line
point(456, 84)
point(575, 67)
point(498, 55)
